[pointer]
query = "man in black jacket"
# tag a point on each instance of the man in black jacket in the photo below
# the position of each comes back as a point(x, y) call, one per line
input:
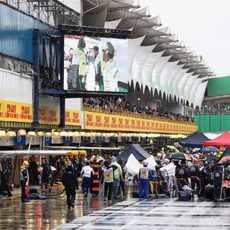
point(70, 182)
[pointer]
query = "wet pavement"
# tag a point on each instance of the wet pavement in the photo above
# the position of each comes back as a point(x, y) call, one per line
point(162, 214)
point(44, 214)
point(94, 213)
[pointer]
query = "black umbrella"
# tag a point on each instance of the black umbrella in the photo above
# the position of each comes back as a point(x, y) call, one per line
point(211, 158)
point(180, 156)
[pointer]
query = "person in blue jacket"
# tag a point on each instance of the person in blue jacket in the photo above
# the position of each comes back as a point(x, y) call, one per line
point(145, 176)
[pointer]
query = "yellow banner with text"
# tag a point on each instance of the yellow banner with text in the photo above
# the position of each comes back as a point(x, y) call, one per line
point(15, 111)
point(100, 121)
point(22, 112)
point(72, 117)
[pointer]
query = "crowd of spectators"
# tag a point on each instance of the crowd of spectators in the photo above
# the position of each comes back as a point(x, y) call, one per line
point(112, 104)
point(219, 109)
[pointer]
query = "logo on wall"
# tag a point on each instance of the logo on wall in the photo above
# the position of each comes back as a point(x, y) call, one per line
point(19, 140)
point(68, 140)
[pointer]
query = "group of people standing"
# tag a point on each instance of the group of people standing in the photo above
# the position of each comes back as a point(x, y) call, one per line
point(198, 176)
point(190, 176)
point(102, 178)
point(46, 175)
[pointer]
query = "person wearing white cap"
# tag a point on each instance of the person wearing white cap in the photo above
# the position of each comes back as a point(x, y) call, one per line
point(145, 175)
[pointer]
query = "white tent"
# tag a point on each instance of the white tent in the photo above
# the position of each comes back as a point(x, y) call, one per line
point(151, 162)
point(132, 166)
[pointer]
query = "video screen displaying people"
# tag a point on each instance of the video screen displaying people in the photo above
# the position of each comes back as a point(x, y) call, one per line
point(95, 63)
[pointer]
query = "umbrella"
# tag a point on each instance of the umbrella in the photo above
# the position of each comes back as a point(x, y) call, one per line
point(224, 159)
point(181, 156)
point(211, 158)
point(209, 149)
point(171, 147)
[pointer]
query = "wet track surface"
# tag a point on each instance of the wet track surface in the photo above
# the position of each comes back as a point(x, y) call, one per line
point(44, 214)
point(161, 214)
point(129, 214)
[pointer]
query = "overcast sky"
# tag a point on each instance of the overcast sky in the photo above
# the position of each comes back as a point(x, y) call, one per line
point(203, 25)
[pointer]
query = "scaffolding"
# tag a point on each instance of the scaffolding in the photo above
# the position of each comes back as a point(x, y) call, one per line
point(51, 12)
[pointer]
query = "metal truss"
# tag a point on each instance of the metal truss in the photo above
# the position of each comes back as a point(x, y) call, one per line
point(51, 12)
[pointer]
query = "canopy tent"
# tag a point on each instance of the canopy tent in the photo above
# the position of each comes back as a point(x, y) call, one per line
point(195, 140)
point(222, 140)
point(138, 152)
point(212, 136)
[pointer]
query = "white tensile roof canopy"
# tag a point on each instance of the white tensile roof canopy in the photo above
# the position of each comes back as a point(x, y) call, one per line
point(157, 60)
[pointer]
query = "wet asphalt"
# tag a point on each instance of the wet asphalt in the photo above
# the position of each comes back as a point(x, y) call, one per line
point(94, 213)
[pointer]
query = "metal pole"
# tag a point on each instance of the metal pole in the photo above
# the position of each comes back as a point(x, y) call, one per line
point(31, 139)
point(36, 70)
point(62, 99)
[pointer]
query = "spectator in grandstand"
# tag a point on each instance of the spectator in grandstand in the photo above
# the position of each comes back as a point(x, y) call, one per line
point(116, 105)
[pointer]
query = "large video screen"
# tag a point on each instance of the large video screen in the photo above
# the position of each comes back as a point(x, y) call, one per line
point(95, 64)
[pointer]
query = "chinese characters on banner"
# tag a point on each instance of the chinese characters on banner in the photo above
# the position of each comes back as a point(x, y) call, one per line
point(15, 111)
point(72, 117)
point(100, 121)
point(22, 112)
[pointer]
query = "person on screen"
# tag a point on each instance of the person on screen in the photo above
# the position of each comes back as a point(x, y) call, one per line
point(110, 69)
point(70, 69)
point(79, 63)
point(97, 64)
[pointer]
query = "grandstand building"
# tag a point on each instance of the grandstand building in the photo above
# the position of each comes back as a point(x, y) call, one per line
point(215, 113)
point(163, 74)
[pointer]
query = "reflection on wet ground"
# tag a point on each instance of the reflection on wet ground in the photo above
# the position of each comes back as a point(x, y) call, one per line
point(94, 213)
point(44, 214)
point(162, 214)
